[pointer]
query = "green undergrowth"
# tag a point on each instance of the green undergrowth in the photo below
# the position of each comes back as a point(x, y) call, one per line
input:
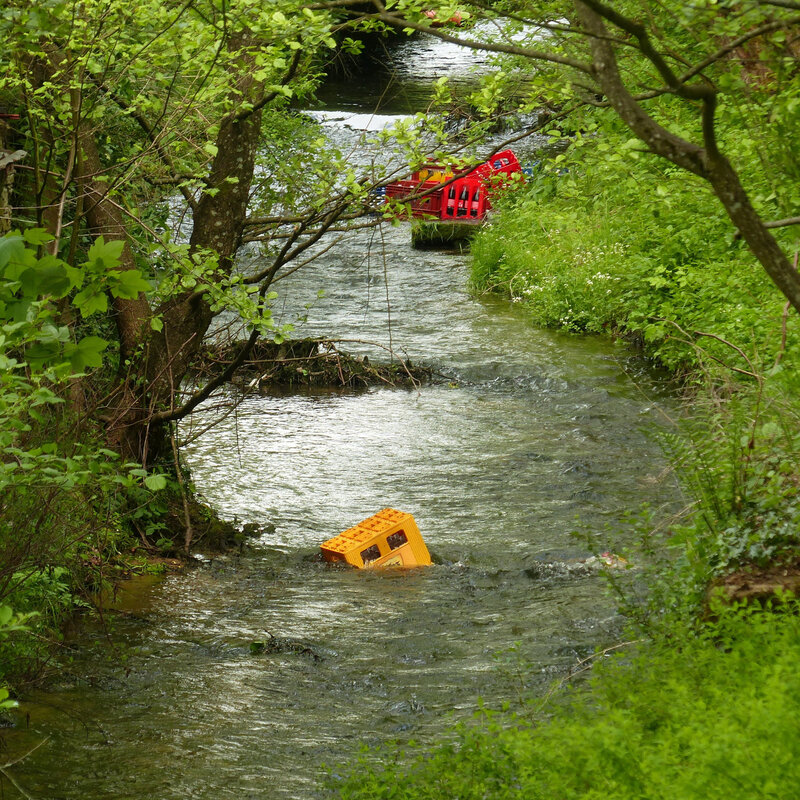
point(75, 518)
point(738, 462)
point(65, 547)
point(60, 549)
point(70, 508)
point(605, 238)
point(718, 716)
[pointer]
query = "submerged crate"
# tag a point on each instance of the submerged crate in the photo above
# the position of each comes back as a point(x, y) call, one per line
point(389, 538)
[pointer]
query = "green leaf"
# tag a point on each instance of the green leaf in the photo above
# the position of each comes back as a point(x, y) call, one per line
point(91, 300)
point(12, 248)
point(42, 353)
point(106, 254)
point(18, 312)
point(75, 275)
point(5, 615)
point(129, 283)
point(37, 236)
point(155, 482)
point(87, 353)
point(49, 276)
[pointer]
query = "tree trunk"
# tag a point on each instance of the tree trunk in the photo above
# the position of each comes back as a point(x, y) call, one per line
point(706, 161)
point(105, 218)
point(153, 364)
point(217, 226)
point(728, 188)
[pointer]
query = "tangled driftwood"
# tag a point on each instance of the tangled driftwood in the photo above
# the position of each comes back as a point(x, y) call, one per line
point(309, 362)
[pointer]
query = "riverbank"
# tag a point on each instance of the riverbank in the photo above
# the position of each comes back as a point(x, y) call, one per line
point(701, 699)
point(608, 245)
point(636, 250)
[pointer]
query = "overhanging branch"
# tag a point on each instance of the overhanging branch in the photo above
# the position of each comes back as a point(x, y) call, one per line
point(268, 98)
point(537, 55)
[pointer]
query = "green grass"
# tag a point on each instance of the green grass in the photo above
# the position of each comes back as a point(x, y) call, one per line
point(638, 248)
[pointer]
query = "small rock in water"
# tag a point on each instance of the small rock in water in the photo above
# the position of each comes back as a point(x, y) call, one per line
point(584, 566)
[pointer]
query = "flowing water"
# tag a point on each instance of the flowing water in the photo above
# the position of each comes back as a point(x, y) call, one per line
point(528, 430)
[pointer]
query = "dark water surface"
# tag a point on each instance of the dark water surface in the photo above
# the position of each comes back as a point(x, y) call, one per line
point(529, 430)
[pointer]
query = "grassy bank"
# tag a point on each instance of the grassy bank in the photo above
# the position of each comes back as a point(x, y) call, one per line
point(608, 239)
point(604, 238)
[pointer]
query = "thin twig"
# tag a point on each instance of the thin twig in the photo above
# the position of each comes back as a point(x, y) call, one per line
point(584, 665)
point(10, 778)
point(752, 373)
point(188, 535)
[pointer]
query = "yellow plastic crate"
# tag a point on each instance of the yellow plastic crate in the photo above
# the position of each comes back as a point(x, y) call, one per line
point(389, 538)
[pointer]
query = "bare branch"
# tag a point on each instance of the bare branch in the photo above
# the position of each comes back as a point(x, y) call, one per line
point(332, 4)
point(782, 223)
point(152, 134)
point(751, 373)
point(794, 6)
point(214, 384)
point(647, 49)
point(286, 256)
point(606, 72)
point(738, 42)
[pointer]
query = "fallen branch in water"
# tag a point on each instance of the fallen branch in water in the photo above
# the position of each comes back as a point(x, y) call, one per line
point(311, 362)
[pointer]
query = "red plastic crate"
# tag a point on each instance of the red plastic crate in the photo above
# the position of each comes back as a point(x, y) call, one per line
point(410, 190)
point(466, 199)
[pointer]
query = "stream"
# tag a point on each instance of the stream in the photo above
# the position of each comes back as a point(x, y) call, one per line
point(528, 431)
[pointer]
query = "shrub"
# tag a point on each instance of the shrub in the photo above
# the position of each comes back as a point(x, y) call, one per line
point(608, 240)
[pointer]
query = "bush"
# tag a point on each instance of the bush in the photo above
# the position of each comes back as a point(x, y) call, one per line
point(606, 239)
